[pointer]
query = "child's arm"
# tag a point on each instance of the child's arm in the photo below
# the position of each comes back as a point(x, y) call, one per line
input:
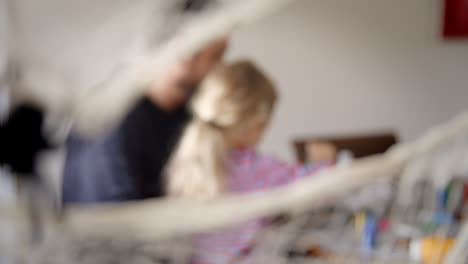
point(320, 151)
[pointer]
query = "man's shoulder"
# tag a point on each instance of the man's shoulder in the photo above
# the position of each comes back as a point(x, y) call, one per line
point(148, 115)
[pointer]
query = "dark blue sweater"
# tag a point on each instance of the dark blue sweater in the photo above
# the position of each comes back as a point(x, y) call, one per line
point(127, 163)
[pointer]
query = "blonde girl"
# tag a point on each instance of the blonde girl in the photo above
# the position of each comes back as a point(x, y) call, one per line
point(216, 155)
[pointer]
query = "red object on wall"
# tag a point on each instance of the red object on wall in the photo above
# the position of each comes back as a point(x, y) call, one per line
point(456, 19)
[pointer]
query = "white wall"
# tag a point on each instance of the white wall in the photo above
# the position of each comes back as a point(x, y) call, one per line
point(363, 65)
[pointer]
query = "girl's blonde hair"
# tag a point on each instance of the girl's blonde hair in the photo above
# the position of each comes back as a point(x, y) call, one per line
point(229, 98)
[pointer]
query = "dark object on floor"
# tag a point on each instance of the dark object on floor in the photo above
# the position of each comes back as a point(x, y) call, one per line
point(21, 139)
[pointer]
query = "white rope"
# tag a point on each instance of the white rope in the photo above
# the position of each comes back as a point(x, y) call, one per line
point(92, 59)
point(160, 218)
point(128, 85)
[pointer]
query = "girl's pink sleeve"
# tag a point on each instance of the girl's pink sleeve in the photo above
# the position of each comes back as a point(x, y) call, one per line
point(276, 172)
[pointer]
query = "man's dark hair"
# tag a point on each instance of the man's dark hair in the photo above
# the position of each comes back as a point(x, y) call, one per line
point(195, 5)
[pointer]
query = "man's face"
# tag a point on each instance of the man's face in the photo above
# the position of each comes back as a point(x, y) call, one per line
point(181, 79)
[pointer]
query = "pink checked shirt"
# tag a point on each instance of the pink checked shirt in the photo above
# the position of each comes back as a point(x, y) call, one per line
point(250, 174)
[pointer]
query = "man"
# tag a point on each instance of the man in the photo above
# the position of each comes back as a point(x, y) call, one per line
point(127, 164)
